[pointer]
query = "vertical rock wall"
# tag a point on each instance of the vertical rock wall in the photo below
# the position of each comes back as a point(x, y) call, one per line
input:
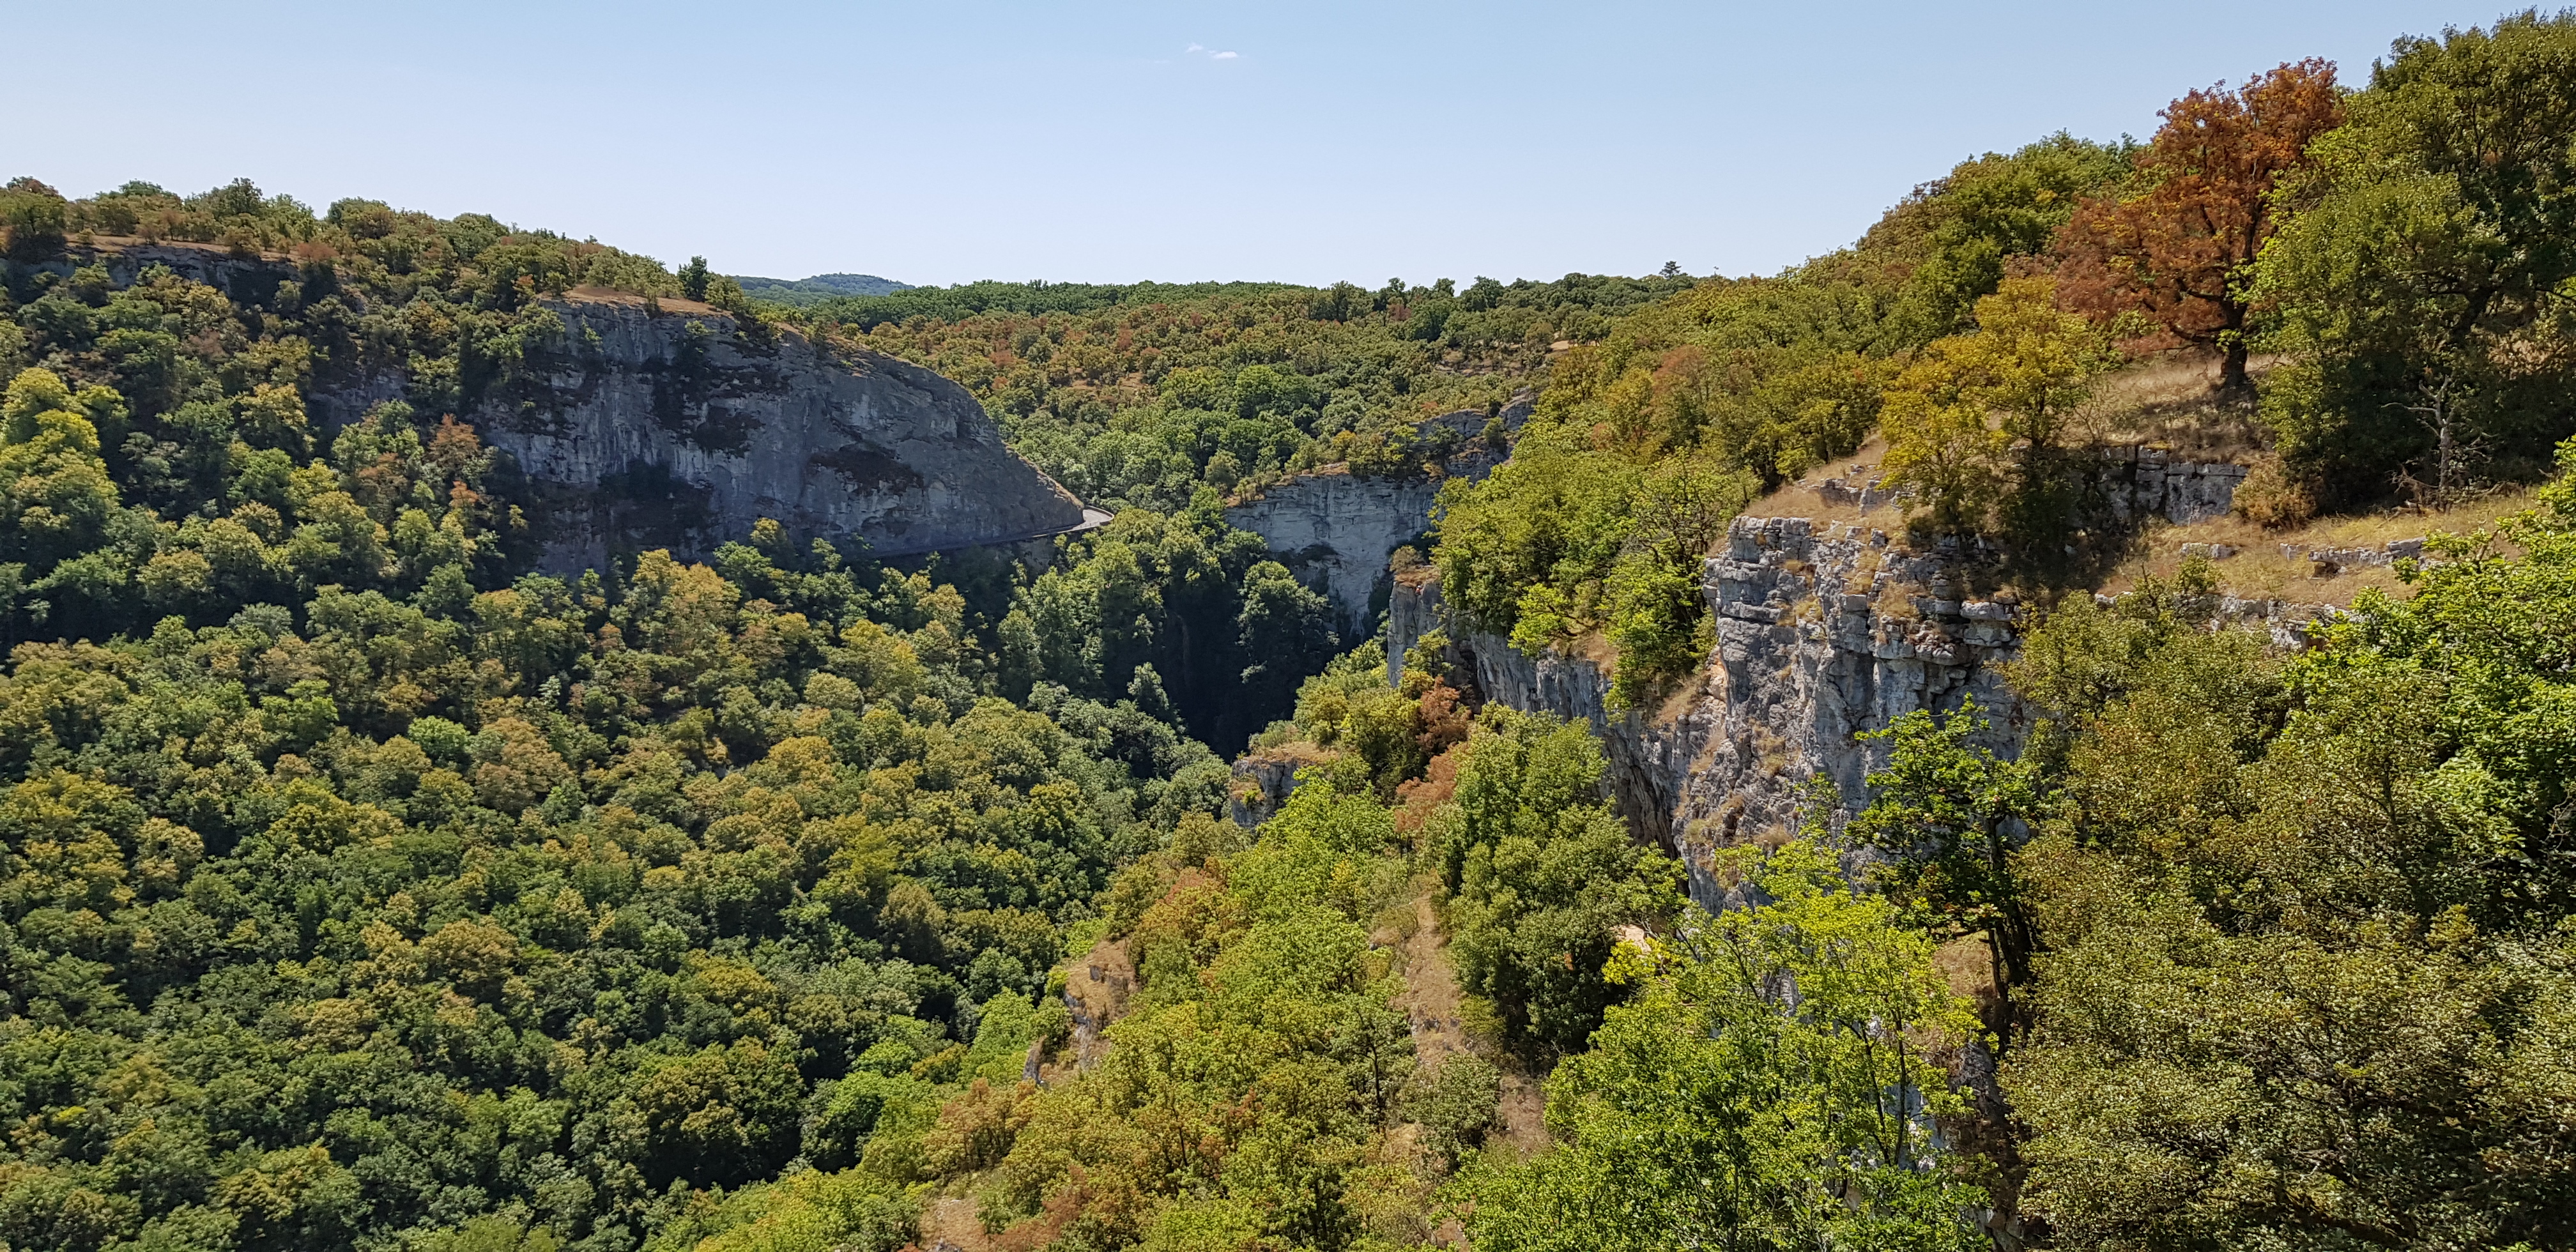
point(1336, 530)
point(649, 429)
point(1824, 632)
point(2142, 482)
point(1651, 756)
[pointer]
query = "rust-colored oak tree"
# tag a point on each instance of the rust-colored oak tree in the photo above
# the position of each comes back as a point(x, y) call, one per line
point(2176, 248)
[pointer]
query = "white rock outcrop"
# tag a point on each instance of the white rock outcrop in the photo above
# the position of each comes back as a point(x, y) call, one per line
point(1336, 529)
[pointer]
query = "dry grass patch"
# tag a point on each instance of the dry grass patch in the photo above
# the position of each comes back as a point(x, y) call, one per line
point(588, 293)
point(1805, 497)
point(2261, 571)
point(2169, 400)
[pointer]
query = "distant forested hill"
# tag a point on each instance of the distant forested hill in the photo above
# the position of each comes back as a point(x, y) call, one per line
point(817, 288)
point(1139, 395)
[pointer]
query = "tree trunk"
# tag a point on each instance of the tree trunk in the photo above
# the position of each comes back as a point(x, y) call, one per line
point(2232, 377)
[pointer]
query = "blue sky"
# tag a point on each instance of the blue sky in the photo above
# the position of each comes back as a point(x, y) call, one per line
point(939, 143)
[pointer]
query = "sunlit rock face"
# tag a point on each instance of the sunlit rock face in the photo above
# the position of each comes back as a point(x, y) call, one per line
point(1335, 529)
point(642, 428)
point(633, 424)
point(1824, 631)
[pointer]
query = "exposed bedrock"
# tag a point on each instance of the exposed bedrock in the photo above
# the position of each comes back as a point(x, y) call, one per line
point(1335, 529)
point(644, 425)
point(2125, 483)
point(1824, 632)
point(644, 429)
point(1802, 665)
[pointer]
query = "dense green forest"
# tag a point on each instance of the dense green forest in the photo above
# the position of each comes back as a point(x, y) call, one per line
point(610, 893)
point(816, 288)
point(364, 889)
point(1138, 395)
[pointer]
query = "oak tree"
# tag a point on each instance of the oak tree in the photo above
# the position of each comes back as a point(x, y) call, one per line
point(2179, 250)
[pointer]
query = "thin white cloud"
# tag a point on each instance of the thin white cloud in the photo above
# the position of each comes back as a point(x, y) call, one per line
point(1198, 49)
point(1227, 56)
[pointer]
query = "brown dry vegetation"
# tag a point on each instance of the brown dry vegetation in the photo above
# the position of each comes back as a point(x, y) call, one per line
point(592, 294)
point(1803, 498)
point(1434, 1006)
point(2169, 401)
point(1096, 988)
point(2261, 570)
point(949, 1224)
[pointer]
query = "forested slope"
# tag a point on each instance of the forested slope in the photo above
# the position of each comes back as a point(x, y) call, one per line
point(2264, 928)
point(374, 911)
point(1138, 395)
point(418, 892)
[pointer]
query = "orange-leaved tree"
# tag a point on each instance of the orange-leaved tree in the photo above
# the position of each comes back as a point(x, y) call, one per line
point(2178, 249)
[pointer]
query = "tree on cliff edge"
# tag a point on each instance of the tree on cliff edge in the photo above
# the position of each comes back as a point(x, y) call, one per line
point(2179, 251)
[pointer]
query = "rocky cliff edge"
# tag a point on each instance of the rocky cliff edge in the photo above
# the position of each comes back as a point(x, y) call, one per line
point(1336, 529)
point(1825, 630)
point(648, 429)
point(670, 424)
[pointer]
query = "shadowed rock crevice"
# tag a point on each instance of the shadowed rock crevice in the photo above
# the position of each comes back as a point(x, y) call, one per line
point(868, 467)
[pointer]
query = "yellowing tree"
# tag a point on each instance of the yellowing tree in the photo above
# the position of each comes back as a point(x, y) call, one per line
point(1976, 421)
point(54, 488)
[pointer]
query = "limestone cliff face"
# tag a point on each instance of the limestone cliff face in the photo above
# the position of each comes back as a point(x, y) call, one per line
point(1336, 530)
point(2128, 483)
point(642, 426)
point(651, 429)
point(1828, 631)
point(1651, 756)
point(1264, 777)
point(1824, 631)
